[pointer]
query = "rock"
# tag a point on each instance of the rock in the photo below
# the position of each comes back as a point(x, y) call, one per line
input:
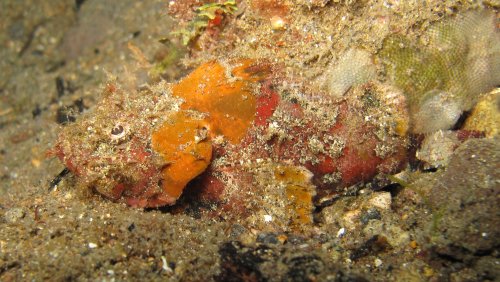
point(437, 148)
point(485, 117)
point(267, 238)
point(369, 215)
point(466, 200)
point(13, 215)
point(381, 200)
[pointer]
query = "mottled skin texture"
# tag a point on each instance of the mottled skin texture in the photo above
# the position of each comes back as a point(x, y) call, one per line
point(225, 117)
point(354, 162)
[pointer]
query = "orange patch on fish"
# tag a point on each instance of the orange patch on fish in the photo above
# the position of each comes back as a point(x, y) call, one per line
point(229, 107)
point(225, 96)
point(299, 192)
point(183, 144)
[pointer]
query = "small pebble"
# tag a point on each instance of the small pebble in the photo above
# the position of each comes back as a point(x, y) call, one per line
point(268, 218)
point(267, 238)
point(237, 230)
point(413, 244)
point(14, 215)
point(381, 200)
point(296, 239)
point(277, 23)
point(369, 215)
point(341, 232)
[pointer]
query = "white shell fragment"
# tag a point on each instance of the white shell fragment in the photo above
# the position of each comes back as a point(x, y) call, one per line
point(437, 148)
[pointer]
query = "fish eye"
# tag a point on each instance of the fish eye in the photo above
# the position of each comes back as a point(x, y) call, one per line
point(117, 130)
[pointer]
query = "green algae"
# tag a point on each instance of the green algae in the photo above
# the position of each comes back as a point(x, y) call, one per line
point(418, 70)
point(448, 65)
point(204, 14)
point(166, 63)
